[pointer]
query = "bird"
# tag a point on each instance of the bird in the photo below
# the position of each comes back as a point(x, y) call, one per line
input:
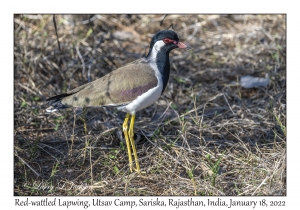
point(130, 88)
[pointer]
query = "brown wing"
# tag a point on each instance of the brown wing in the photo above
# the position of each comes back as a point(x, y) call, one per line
point(121, 86)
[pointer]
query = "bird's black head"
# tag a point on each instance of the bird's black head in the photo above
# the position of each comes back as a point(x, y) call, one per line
point(162, 43)
point(165, 40)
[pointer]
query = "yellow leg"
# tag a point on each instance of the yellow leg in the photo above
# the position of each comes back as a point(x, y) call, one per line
point(131, 137)
point(125, 130)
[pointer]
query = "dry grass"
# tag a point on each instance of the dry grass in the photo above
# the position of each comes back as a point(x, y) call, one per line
point(205, 136)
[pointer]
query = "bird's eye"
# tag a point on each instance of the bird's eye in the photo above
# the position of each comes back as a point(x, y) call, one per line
point(167, 40)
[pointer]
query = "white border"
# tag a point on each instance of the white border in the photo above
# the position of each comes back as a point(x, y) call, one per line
point(150, 6)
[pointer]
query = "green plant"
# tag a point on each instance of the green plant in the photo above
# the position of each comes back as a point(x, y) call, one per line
point(214, 167)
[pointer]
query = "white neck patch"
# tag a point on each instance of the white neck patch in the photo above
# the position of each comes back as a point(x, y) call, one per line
point(156, 48)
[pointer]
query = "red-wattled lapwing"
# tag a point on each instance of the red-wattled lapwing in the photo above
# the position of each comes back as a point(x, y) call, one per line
point(131, 88)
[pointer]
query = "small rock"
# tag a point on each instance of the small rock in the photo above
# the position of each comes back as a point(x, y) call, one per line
point(251, 82)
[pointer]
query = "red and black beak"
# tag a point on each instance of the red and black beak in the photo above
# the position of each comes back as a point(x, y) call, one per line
point(182, 45)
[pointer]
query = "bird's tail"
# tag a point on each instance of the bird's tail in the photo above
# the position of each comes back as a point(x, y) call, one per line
point(55, 102)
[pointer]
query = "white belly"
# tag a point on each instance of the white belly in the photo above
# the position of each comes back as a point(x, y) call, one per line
point(143, 101)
